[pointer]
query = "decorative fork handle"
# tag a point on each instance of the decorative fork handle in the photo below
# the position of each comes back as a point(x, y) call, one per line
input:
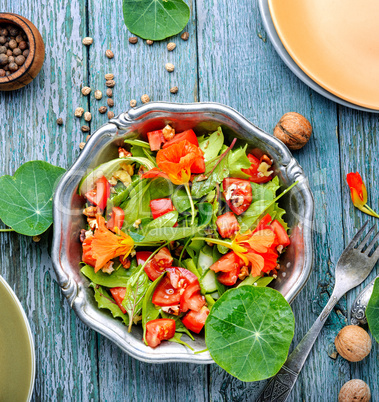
point(358, 308)
point(280, 386)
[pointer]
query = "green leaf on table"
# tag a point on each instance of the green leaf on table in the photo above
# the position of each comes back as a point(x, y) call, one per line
point(372, 311)
point(155, 19)
point(26, 199)
point(104, 300)
point(238, 160)
point(134, 295)
point(118, 278)
point(211, 146)
point(249, 331)
point(149, 310)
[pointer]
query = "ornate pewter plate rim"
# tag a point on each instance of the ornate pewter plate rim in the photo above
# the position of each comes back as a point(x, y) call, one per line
point(74, 292)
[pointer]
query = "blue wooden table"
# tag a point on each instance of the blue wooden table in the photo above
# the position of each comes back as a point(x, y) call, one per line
point(227, 59)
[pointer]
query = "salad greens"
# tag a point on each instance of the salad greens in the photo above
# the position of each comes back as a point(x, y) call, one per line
point(155, 19)
point(26, 198)
point(372, 311)
point(249, 331)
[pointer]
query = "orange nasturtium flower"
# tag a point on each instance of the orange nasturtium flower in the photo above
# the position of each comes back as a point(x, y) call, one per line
point(177, 159)
point(359, 193)
point(106, 245)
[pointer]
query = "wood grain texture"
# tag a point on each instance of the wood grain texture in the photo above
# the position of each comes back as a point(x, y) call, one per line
point(227, 59)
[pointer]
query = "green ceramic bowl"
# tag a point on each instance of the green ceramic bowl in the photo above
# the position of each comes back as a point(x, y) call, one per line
point(17, 359)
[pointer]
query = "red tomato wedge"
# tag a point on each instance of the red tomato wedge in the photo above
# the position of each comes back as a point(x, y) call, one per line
point(100, 194)
point(118, 294)
point(237, 194)
point(159, 330)
point(227, 263)
point(155, 139)
point(229, 278)
point(188, 135)
point(198, 166)
point(181, 277)
point(165, 294)
point(161, 206)
point(252, 171)
point(192, 298)
point(157, 265)
point(195, 320)
point(281, 233)
point(227, 225)
point(116, 219)
point(87, 256)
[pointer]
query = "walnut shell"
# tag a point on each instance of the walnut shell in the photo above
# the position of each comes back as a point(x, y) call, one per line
point(353, 343)
point(353, 391)
point(294, 130)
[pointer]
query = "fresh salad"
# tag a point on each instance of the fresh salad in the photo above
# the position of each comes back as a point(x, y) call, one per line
point(175, 221)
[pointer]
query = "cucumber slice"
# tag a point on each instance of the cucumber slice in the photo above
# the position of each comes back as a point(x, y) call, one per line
point(208, 282)
point(204, 262)
point(107, 169)
point(250, 280)
point(215, 295)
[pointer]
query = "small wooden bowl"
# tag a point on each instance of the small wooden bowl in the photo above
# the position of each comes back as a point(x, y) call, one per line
point(33, 63)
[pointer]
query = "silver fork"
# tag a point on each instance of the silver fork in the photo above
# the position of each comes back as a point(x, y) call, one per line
point(352, 269)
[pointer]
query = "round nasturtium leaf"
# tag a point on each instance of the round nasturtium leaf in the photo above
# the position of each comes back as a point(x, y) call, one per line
point(372, 311)
point(26, 199)
point(249, 331)
point(155, 19)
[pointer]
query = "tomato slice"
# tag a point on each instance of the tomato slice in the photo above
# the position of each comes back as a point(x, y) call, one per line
point(188, 135)
point(165, 294)
point(161, 206)
point(198, 166)
point(227, 263)
point(87, 256)
point(191, 298)
point(227, 225)
point(252, 171)
point(100, 194)
point(181, 277)
point(281, 233)
point(159, 330)
point(195, 320)
point(237, 194)
point(157, 265)
point(119, 294)
point(229, 278)
point(155, 139)
point(116, 219)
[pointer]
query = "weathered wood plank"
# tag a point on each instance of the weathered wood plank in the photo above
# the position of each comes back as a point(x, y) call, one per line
point(66, 357)
point(359, 152)
point(239, 67)
point(140, 69)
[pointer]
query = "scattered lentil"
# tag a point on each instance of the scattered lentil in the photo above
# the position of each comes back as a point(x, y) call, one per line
point(170, 67)
point(60, 121)
point(98, 94)
point(133, 103)
point(109, 93)
point(149, 42)
point(87, 41)
point(174, 90)
point(110, 115)
point(133, 40)
point(110, 102)
point(88, 137)
point(171, 46)
point(145, 98)
point(86, 91)
point(36, 239)
point(184, 35)
point(82, 145)
point(85, 129)
point(109, 54)
point(102, 109)
point(109, 76)
point(79, 112)
point(110, 83)
point(87, 117)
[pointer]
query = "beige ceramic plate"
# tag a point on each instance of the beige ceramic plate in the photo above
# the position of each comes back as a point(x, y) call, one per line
point(335, 42)
point(17, 360)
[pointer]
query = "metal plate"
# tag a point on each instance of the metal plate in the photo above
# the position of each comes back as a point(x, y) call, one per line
point(102, 146)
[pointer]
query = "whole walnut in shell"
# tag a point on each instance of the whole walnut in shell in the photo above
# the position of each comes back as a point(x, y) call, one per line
point(354, 391)
point(294, 130)
point(353, 343)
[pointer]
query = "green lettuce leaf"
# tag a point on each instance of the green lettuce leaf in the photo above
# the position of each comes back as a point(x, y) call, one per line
point(138, 204)
point(238, 160)
point(177, 338)
point(249, 331)
point(167, 220)
point(372, 311)
point(160, 188)
point(211, 146)
point(118, 278)
point(105, 301)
